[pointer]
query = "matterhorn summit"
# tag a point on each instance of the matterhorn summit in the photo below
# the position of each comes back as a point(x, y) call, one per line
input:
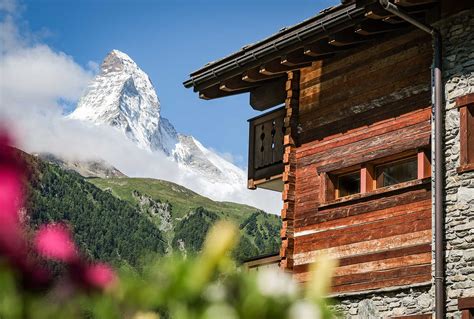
point(122, 96)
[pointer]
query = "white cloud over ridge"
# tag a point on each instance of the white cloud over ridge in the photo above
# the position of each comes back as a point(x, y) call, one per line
point(36, 80)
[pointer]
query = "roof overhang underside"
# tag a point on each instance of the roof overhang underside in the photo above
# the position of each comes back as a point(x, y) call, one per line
point(261, 67)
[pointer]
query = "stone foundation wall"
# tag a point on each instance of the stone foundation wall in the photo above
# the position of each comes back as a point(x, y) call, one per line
point(404, 302)
point(458, 74)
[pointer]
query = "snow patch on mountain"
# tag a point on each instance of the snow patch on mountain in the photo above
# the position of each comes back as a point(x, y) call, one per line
point(123, 96)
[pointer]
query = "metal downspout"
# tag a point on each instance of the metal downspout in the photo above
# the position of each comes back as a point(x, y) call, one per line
point(437, 87)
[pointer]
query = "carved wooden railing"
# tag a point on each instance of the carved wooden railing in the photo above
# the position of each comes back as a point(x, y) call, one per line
point(266, 145)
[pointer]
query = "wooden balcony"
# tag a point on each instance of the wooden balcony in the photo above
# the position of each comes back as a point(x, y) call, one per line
point(266, 150)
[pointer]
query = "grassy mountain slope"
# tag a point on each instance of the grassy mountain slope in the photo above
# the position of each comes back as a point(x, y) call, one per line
point(192, 215)
point(182, 199)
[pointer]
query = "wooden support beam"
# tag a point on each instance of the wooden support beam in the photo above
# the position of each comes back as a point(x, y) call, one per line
point(214, 92)
point(269, 94)
point(346, 37)
point(322, 49)
point(253, 75)
point(275, 67)
point(298, 57)
point(393, 20)
point(235, 84)
point(372, 27)
point(376, 12)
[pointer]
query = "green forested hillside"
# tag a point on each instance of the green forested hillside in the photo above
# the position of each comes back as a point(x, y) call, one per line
point(192, 214)
point(121, 220)
point(190, 231)
point(105, 227)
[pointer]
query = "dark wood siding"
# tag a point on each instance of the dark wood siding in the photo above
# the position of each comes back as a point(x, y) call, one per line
point(367, 105)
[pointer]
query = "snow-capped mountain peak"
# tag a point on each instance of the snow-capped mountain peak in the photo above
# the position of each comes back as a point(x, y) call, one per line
point(117, 61)
point(122, 96)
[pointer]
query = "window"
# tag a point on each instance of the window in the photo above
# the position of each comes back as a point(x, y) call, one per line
point(380, 173)
point(397, 172)
point(466, 132)
point(348, 184)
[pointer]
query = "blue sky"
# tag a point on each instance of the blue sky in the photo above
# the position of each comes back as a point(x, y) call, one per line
point(169, 39)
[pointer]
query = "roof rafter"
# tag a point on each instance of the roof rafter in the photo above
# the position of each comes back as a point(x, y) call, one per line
point(214, 92)
point(253, 75)
point(234, 84)
point(298, 57)
point(275, 67)
point(373, 27)
point(347, 37)
point(322, 48)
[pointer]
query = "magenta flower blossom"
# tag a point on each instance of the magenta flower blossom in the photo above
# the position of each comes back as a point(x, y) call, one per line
point(54, 242)
point(99, 276)
point(12, 243)
point(10, 197)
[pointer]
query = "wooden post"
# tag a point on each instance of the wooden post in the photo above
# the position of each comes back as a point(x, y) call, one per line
point(424, 165)
point(367, 178)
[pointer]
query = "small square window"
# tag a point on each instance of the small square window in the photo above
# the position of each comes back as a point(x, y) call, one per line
point(397, 172)
point(348, 184)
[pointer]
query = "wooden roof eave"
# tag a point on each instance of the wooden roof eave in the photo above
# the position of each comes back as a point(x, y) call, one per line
point(246, 76)
point(269, 51)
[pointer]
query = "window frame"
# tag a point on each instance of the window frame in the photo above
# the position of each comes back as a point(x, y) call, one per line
point(368, 179)
point(465, 105)
point(466, 306)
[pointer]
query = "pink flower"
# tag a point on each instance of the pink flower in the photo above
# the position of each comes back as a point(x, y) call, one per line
point(12, 242)
point(10, 197)
point(99, 276)
point(54, 242)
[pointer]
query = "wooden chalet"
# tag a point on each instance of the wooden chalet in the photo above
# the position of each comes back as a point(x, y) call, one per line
point(346, 135)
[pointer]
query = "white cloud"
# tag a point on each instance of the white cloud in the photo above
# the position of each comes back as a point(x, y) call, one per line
point(35, 75)
point(35, 80)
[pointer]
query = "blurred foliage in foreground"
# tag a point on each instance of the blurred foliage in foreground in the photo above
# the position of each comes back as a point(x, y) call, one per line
point(207, 286)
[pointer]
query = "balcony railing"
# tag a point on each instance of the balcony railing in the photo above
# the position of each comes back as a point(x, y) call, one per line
point(266, 146)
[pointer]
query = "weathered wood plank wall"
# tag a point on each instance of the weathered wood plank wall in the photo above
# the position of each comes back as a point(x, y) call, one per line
point(364, 106)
